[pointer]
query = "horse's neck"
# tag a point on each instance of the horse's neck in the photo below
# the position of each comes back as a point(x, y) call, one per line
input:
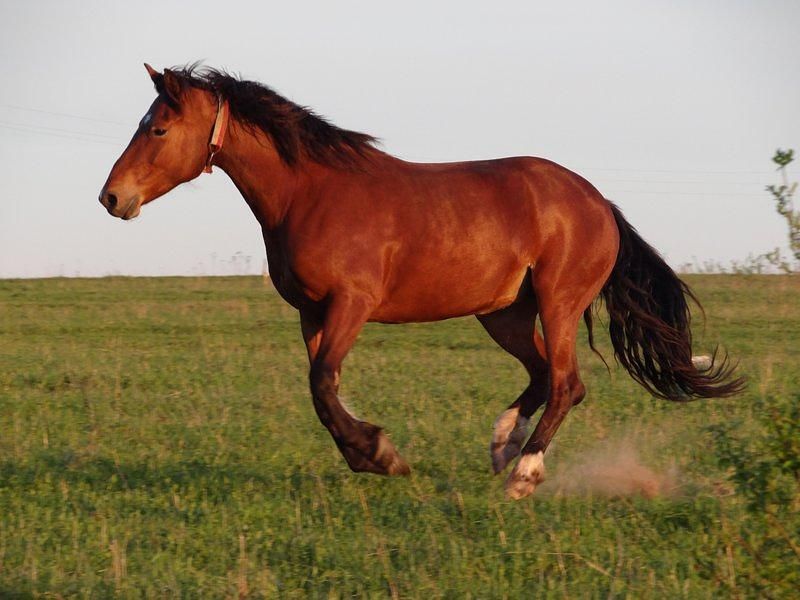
point(265, 182)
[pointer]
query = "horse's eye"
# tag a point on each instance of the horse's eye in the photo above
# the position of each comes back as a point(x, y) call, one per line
point(159, 132)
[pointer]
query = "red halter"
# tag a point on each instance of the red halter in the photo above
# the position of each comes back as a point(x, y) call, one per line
point(218, 133)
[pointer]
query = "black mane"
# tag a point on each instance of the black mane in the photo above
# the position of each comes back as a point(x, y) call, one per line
point(295, 130)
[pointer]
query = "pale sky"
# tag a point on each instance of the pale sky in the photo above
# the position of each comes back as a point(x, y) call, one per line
point(672, 109)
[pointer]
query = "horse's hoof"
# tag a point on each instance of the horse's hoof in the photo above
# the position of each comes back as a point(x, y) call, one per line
point(528, 473)
point(379, 456)
point(503, 454)
point(387, 456)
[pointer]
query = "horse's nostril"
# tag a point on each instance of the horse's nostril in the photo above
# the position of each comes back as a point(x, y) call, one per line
point(112, 200)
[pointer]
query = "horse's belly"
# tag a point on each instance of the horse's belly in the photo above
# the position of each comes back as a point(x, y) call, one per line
point(460, 294)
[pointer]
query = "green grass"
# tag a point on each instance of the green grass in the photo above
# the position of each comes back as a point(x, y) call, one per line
point(157, 440)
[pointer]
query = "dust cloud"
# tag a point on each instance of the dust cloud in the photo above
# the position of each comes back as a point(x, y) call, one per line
point(612, 469)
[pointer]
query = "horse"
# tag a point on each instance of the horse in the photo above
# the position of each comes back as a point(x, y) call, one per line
point(353, 235)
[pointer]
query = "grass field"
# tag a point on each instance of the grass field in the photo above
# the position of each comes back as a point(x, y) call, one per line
point(157, 440)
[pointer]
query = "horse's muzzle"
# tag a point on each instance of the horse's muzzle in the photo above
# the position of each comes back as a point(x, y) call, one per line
point(122, 209)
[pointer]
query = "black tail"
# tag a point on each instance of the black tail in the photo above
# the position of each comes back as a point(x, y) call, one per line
point(649, 327)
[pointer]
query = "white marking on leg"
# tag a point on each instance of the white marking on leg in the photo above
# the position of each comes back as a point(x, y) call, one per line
point(504, 425)
point(531, 465)
point(528, 473)
point(346, 408)
point(510, 431)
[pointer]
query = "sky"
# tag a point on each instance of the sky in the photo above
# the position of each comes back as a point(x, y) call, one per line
point(671, 109)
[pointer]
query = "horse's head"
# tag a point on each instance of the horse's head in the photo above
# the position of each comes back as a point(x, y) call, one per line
point(171, 145)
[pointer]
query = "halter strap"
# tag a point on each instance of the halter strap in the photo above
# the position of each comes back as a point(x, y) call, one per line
point(218, 133)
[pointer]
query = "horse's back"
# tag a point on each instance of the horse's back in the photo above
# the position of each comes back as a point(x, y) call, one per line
point(520, 206)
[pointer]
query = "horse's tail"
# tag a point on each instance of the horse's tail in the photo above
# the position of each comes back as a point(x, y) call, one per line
point(649, 325)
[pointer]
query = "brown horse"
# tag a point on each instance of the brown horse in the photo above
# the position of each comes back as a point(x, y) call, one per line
point(355, 235)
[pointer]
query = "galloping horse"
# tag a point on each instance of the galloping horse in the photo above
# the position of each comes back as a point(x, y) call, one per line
point(353, 235)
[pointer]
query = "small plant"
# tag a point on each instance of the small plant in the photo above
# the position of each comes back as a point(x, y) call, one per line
point(764, 467)
point(783, 195)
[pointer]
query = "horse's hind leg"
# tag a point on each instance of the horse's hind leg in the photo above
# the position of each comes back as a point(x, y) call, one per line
point(514, 330)
point(561, 309)
point(364, 446)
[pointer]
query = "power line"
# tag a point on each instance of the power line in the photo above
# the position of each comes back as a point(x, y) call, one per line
point(59, 130)
point(678, 193)
point(61, 114)
point(58, 135)
point(682, 172)
point(622, 170)
point(678, 181)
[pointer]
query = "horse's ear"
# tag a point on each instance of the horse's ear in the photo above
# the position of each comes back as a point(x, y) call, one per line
point(158, 79)
point(172, 85)
point(152, 72)
point(167, 83)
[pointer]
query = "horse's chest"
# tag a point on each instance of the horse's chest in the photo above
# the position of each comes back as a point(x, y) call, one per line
point(284, 279)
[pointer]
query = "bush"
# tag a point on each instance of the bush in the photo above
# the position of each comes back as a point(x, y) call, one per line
point(763, 461)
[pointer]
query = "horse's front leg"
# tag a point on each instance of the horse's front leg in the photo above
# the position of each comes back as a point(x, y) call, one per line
point(364, 446)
